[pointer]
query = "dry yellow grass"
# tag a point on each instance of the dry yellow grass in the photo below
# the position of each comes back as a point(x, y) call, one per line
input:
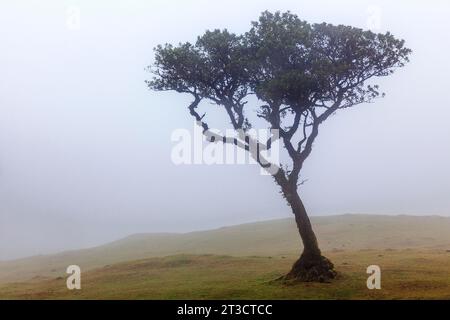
point(240, 262)
point(270, 238)
point(406, 274)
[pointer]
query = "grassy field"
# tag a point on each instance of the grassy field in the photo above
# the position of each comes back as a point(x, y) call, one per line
point(242, 262)
point(406, 274)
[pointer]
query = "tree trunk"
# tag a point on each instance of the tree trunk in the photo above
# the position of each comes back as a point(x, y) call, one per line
point(311, 266)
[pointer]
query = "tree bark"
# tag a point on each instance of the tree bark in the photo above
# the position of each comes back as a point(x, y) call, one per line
point(311, 266)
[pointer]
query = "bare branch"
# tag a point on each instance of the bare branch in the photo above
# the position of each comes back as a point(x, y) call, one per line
point(253, 146)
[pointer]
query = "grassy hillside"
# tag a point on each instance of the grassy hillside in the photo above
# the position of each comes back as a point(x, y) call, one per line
point(271, 238)
point(406, 274)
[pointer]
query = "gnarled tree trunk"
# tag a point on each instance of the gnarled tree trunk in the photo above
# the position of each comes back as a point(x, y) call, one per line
point(311, 266)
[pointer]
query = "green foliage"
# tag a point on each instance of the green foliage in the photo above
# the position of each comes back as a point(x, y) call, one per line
point(303, 65)
point(283, 60)
point(213, 68)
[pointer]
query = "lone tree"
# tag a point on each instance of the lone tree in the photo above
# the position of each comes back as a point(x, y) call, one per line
point(300, 73)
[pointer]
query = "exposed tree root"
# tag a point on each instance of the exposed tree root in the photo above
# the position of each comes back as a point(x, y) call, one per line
point(311, 269)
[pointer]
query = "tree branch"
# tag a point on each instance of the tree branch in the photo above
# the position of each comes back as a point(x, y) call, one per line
point(248, 145)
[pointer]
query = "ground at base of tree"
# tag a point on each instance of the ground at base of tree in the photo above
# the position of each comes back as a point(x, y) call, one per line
point(405, 274)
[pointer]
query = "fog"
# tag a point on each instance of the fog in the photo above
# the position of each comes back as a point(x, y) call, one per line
point(85, 148)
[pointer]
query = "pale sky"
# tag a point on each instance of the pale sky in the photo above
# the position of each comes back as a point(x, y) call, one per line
point(85, 149)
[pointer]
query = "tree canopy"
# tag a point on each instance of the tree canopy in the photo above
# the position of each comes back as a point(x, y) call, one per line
point(300, 72)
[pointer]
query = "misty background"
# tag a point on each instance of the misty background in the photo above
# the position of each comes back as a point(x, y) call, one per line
point(85, 149)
